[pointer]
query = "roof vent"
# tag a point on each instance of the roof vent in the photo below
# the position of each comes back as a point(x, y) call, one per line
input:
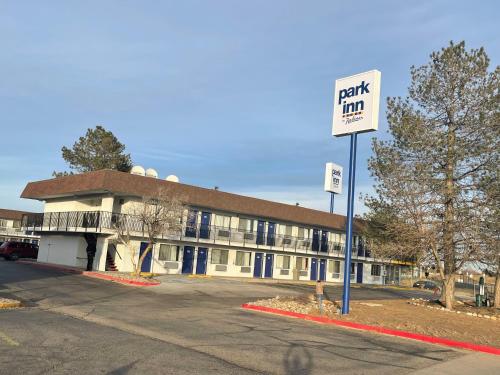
point(150, 172)
point(138, 170)
point(172, 178)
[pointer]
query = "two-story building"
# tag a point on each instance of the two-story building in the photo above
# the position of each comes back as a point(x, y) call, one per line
point(222, 233)
point(10, 227)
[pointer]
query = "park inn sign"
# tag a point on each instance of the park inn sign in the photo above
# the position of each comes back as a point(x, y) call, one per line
point(356, 103)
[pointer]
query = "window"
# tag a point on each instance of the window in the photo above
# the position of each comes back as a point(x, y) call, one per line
point(222, 221)
point(245, 225)
point(283, 262)
point(303, 233)
point(243, 258)
point(168, 253)
point(3, 223)
point(285, 230)
point(219, 256)
point(376, 269)
point(302, 263)
point(334, 267)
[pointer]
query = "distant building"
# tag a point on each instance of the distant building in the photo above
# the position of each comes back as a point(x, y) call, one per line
point(10, 227)
point(223, 234)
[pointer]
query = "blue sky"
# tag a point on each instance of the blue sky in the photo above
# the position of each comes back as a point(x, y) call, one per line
point(236, 94)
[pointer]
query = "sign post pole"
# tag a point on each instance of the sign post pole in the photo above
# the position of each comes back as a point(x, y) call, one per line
point(332, 199)
point(355, 110)
point(348, 232)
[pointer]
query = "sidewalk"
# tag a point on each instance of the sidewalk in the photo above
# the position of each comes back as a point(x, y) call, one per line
point(475, 363)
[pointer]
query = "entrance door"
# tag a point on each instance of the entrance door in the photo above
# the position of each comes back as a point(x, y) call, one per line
point(187, 259)
point(205, 225)
point(146, 263)
point(257, 267)
point(260, 232)
point(322, 269)
point(359, 274)
point(201, 261)
point(315, 242)
point(270, 233)
point(324, 241)
point(314, 269)
point(268, 272)
point(191, 223)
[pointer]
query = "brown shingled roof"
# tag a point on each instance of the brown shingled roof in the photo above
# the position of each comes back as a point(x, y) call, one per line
point(132, 185)
point(12, 214)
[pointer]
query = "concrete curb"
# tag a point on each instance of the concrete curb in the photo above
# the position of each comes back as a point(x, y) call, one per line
point(95, 275)
point(385, 331)
point(199, 276)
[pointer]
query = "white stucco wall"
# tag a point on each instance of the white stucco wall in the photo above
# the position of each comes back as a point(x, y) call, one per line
point(69, 250)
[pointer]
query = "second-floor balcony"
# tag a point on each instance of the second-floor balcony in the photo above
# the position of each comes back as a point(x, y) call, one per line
point(108, 223)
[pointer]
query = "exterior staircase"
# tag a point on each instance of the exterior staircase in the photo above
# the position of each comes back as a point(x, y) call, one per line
point(110, 263)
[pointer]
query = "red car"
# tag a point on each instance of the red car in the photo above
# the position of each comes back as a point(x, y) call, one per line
point(15, 250)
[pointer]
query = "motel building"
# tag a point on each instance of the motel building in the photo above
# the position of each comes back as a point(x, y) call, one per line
point(222, 234)
point(10, 227)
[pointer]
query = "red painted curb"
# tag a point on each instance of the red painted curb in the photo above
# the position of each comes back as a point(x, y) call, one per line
point(385, 331)
point(95, 275)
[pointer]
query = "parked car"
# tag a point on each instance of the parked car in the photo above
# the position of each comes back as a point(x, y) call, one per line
point(12, 250)
point(425, 284)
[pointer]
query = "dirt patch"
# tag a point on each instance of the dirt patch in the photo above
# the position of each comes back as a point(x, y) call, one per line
point(405, 316)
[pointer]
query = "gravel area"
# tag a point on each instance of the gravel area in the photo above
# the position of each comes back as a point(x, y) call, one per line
point(306, 304)
point(129, 276)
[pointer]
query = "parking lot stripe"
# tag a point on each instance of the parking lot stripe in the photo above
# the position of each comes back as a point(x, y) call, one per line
point(8, 340)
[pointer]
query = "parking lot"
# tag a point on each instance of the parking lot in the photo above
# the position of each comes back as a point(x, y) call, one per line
point(74, 324)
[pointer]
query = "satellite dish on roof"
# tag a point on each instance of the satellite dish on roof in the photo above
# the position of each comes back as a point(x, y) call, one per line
point(150, 172)
point(172, 178)
point(138, 170)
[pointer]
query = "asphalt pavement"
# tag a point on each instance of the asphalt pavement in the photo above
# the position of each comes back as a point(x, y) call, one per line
point(78, 325)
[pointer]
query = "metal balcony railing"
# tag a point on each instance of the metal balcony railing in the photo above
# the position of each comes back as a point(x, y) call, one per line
point(68, 221)
point(107, 222)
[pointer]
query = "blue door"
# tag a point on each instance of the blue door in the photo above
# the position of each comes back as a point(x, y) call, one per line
point(260, 232)
point(314, 269)
point(315, 243)
point(270, 233)
point(187, 259)
point(257, 267)
point(324, 241)
point(322, 269)
point(201, 261)
point(205, 225)
point(361, 248)
point(359, 274)
point(268, 272)
point(192, 218)
point(146, 263)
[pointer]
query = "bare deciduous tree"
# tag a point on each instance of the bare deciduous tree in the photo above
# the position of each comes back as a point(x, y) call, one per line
point(154, 216)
